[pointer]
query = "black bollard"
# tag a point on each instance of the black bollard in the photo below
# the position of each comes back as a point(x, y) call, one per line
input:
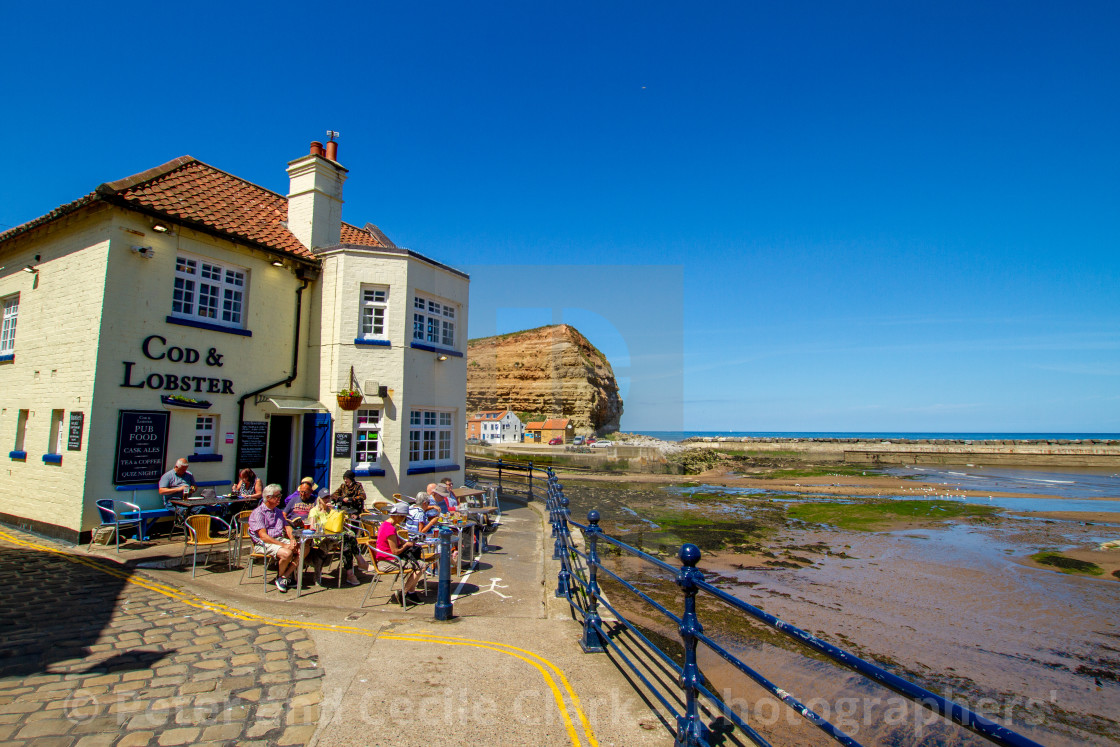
point(444, 608)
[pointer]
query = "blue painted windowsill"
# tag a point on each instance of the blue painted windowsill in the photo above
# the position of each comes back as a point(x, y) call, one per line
point(209, 326)
point(434, 349)
point(436, 468)
point(52, 459)
point(372, 343)
point(204, 458)
point(7, 357)
point(369, 473)
point(18, 455)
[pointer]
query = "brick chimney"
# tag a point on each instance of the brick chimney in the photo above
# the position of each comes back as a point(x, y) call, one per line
point(315, 198)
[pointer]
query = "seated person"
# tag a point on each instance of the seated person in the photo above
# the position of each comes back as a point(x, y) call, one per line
point(248, 485)
point(272, 535)
point(390, 545)
point(350, 496)
point(319, 513)
point(298, 505)
point(442, 497)
point(177, 482)
point(422, 515)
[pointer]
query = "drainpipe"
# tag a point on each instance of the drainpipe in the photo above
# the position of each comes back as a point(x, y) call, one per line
point(286, 382)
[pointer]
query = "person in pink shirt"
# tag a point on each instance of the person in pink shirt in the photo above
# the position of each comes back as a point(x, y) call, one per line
point(390, 545)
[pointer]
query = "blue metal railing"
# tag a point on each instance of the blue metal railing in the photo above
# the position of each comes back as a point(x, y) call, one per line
point(580, 587)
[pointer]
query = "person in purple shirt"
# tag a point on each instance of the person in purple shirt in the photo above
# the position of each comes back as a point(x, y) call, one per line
point(273, 535)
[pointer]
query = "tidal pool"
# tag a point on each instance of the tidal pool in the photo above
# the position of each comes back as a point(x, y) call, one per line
point(946, 606)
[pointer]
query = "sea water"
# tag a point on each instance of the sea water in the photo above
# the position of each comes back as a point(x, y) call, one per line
point(882, 435)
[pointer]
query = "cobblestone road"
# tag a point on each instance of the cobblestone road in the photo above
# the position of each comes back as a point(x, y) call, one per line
point(91, 655)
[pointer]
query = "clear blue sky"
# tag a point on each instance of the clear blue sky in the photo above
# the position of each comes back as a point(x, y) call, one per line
point(835, 216)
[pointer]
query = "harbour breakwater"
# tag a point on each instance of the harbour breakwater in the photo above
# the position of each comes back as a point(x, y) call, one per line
point(1010, 452)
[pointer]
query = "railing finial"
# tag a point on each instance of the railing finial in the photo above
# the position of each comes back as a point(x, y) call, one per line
point(689, 554)
point(593, 517)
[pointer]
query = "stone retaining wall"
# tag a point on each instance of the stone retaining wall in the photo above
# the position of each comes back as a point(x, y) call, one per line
point(1057, 453)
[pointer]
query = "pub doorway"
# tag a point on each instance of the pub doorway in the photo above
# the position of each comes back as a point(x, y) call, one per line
point(278, 466)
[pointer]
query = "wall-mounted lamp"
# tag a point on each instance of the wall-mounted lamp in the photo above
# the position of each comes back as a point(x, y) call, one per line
point(161, 227)
point(277, 263)
point(144, 251)
point(31, 268)
point(441, 357)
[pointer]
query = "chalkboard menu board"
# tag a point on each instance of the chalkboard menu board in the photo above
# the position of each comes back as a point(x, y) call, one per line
point(342, 445)
point(141, 446)
point(252, 444)
point(74, 442)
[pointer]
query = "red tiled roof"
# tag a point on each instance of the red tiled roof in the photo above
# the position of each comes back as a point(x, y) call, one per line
point(201, 196)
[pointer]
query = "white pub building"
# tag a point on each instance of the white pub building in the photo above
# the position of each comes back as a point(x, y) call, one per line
point(186, 312)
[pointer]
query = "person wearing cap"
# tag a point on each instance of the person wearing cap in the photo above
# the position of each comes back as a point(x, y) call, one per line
point(350, 496)
point(349, 543)
point(391, 546)
point(442, 497)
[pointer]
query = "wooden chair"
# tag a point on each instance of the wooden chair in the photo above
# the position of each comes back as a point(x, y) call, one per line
point(196, 534)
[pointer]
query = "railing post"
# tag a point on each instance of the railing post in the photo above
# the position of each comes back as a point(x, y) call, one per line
point(444, 609)
point(531, 496)
point(564, 580)
point(499, 475)
point(691, 731)
point(592, 642)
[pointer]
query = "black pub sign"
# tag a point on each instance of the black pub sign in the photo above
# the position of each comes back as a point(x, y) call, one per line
point(141, 446)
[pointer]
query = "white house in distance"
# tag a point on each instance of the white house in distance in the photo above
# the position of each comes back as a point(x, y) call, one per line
point(496, 426)
point(186, 312)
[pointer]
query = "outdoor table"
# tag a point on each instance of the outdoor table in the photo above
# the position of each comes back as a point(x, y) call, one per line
point(222, 506)
point(460, 530)
point(304, 537)
point(464, 494)
point(481, 516)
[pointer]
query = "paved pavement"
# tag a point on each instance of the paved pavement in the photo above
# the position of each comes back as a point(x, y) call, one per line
point(96, 652)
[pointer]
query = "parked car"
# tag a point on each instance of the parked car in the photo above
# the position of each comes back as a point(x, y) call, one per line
point(474, 442)
point(556, 442)
point(577, 441)
point(602, 444)
point(590, 440)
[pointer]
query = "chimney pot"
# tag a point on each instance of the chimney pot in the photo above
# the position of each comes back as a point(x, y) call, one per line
point(316, 148)
point(332, 150)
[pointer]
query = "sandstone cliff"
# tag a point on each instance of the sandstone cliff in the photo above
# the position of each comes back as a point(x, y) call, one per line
point(549, 372)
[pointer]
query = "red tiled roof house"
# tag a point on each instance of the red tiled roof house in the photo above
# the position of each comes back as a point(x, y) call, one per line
point(184, 311)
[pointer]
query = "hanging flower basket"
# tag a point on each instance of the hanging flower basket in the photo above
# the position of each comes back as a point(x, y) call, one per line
point(349, 399)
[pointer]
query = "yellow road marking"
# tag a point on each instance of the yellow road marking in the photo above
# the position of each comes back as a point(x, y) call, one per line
point(191, 600)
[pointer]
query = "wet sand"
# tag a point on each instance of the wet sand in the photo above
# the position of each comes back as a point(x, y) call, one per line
point(957, 607)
